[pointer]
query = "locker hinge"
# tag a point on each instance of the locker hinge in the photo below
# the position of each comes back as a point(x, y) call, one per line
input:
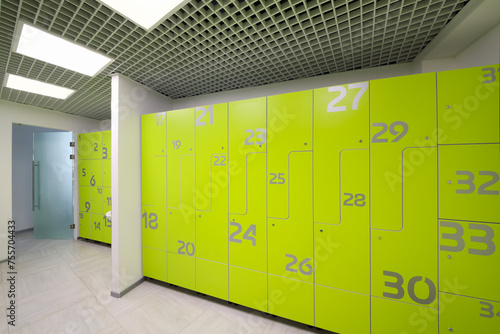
point(72, 156)
point(72, 226)
point(72, 144)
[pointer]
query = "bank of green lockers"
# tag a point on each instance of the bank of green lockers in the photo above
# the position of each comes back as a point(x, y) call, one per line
point(94, 183)
point(369, 207)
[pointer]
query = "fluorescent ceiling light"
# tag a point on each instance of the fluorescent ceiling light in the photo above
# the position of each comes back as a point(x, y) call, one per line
point(145, 13)
point(37, 87)
point(38, 44)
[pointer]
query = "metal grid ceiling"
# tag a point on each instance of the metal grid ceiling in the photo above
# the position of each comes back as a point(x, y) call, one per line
point(218, 45)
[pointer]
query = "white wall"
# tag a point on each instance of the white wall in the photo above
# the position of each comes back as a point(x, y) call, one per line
point(484, 51)
point(17, 113)
point(295, 85)
point(129, 100)
point(22, 174)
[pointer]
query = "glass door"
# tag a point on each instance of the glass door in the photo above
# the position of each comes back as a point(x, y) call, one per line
point(53, 185)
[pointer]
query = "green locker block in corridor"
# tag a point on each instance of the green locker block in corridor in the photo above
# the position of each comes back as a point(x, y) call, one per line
point(94, 182)
point(154, 193)
point(362, 208)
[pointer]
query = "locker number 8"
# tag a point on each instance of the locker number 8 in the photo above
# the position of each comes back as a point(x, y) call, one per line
point(343, 93)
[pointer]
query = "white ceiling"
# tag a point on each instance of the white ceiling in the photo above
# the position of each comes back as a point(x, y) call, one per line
point(210, 46)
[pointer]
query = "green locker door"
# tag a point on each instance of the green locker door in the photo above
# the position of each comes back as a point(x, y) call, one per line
point(289, 188)
point(106, 145)
point(96, 145)
point(106, 207)
point(154, 221)
point(84, 227)
point(401, 318)
point(84, 172)
point(469, 255)
point(469, 184)
point(341, 207)
point(84, 146)
point(96, 200)
point(403, 198)
point(106, 173)
point(95, 179)
point(96, 227)
point(468, 104)
point(84, 199)
point(247, 203)
point(464, 315)
point(181, 245)
point(211, 200)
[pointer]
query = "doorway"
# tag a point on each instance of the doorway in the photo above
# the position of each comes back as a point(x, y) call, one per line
point(42, 181)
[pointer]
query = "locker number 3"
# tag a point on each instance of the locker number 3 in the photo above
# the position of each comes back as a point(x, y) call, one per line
point(343, 93)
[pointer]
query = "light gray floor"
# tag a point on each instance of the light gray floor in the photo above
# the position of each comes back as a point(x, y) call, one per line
point(63, 286)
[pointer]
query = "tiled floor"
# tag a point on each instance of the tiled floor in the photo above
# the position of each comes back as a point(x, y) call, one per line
point(63, 286)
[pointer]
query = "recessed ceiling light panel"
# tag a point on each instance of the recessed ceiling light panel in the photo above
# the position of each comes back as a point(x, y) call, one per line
point(146, 13)
point(38, 44)
point(37, 87)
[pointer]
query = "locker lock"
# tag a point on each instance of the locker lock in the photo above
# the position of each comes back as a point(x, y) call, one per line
point(321, 230)
point(361, 140)
point(450, 329)
point(379, 237)
point(449, 182)
point(448, 107)
point(449, 256)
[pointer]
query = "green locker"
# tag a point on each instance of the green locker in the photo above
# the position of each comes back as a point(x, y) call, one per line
point(469, 255)
point(84, 224)
point(181, 245)
point(96, 200)
point(84, 172)
point(469, 184)
point(84, 146)
point(464, 315)
point(106, 173)
point(154, 229)
point(96, 145)
point(341, 122)
point(153, 144)
point(468, 104)
point(181, 270)
point(106, 200)
point(346, 244)
point(95, 179)
point(248, 287)
point(96, 227)
point(342, 311)
point(212, 278)
point(154, 263)
point(389, 316)
point(107, 230)
point(106, 145)
point(84, 199)
point(211, 184)
point(404, 262)
point(247, 203)
point(291, 299)
point(290, 225)
point(247, 184)
point(402, 115)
